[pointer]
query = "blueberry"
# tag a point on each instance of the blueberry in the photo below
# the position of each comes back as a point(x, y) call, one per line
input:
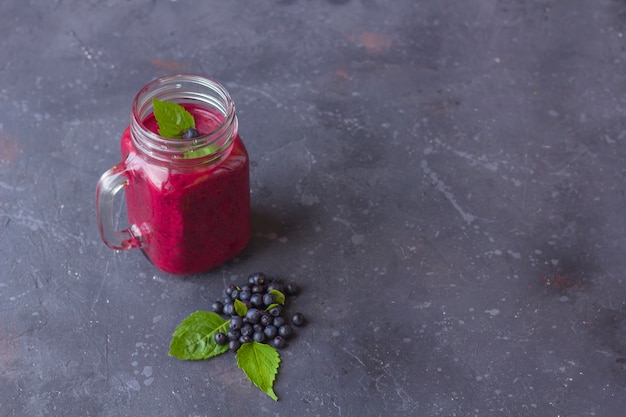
point(285, 331)
point(229, 290)
point(279, 342)
point(234, 345)
point(247, 330)
point(233, 334)
point(275, 286)
point(253, 315)
point(266, 319)
point(275, 311)
point(291, 289)
point(191, 133)
point(244, 295)
point(297, 319)
point(217, 307)
point(279, 321)
point(269, 299)
point(258, 289)
point(236, 323)
point(258, 337)
point(221, 339)
point(258, 328)
point(257, 278)
point(270, 331)
point(229, 309)
point(245, 339)
point(256, 300)
point(234, 295)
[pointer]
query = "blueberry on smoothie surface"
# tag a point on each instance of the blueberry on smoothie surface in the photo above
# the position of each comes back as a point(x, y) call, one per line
point(191, 133)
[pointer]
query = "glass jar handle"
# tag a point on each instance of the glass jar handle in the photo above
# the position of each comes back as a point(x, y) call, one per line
point(110, 183)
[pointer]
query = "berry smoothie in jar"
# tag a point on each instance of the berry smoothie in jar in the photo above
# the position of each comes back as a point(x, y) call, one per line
point(185, 173)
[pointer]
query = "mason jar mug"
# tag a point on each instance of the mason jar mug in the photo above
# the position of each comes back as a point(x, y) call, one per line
point(187, 199)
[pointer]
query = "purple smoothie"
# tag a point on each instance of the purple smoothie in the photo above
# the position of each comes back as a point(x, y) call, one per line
point(191, 219)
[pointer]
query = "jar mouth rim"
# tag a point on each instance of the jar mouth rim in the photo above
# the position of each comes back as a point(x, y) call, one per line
point(184, 89)
point(172, 88)
point(205, 138)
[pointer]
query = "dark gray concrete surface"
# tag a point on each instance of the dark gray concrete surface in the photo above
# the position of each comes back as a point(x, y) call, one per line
point(444, 179)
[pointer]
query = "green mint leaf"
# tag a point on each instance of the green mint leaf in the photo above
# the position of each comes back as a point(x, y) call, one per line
point(280, 297)
point(240, 308)
point(271, 306)
point(199, 153)
point(172, 119)
point(194, 338)
point(260, 364)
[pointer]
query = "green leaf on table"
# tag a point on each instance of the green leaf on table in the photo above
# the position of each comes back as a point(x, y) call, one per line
point(280, 297)
point(260, 364)
point(194, 338)
point(172, 118)
point(240, 308)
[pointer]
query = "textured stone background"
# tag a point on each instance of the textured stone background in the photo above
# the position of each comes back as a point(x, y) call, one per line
point(444, 179)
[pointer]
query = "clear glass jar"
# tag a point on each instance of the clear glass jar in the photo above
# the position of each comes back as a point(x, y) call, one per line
point(188, 200)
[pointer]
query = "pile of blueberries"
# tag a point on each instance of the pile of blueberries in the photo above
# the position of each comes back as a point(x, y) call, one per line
point(264, 321)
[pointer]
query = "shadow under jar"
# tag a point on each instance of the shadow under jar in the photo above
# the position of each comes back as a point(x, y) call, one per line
point(188, 200)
